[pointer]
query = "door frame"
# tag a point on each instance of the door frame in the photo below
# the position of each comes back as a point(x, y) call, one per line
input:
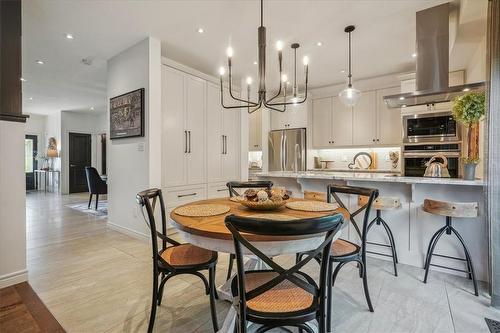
point(35, 162)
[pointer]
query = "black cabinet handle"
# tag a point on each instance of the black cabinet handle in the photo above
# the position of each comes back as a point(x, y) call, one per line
point(185, 142)
point(189, 134)
point(186, 195)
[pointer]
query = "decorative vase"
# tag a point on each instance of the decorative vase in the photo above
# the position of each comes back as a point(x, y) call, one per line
point(470, 171)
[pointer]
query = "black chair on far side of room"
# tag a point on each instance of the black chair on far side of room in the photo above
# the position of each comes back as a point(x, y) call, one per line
point(279, 296)
point(231, 186)
point(175, 259)
point(96, 185)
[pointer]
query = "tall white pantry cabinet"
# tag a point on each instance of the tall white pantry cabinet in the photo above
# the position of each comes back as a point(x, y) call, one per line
point(201, 140)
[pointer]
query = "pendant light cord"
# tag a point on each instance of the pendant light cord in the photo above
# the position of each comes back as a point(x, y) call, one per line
point(350, 75)
point(261, 13)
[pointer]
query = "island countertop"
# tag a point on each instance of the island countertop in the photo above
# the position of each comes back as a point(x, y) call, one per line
point(367, 176)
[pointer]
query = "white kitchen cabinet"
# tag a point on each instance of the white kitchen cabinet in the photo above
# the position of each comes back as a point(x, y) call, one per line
point(364, 120)
point(255, 131)
point(322, 118)
point(183, 108)
point(223, 138)
point(195, 127)
point(342, 124)
point(389, 123)
point(295, 116)
point(173, 127)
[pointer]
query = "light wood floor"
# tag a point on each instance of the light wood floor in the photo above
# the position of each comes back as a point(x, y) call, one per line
point(94, 279)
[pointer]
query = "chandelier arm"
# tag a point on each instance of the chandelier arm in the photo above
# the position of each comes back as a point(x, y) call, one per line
point(252, 104)
point(274, 109)
point(255, 108)
point(231, 91)
point(297, 102)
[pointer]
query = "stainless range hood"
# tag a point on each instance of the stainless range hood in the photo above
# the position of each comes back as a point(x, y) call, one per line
point(432, 62)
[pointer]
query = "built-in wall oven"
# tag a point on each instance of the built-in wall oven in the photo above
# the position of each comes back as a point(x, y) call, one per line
point(415, 156)
point(431, 127)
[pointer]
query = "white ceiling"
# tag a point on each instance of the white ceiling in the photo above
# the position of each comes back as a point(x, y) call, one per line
point(383, 41)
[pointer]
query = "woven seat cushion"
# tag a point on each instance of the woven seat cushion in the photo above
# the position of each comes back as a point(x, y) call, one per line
point(187, 255)
point(341, 248)
point(282, 298)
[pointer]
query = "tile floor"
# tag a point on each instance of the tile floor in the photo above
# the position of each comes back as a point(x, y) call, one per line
point(94, 279)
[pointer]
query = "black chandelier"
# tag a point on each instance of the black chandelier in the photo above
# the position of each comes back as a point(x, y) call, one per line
point(272, 103)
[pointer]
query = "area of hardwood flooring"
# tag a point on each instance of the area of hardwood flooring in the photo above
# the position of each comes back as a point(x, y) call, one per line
point(94, 279)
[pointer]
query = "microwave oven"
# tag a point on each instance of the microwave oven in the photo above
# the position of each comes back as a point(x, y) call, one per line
point(431, 127)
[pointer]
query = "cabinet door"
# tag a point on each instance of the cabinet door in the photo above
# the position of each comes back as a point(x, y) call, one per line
point(296, 115)
point(364, 119)
point(195, 125)
point(342, 123)
point(231, 157)
point(174, 135)
point(322, 111)
point(214, 134)
point(278, 120)
point(389, 124)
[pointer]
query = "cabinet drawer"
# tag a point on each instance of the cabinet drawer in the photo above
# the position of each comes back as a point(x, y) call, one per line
point(218, 190)
point(182, 195)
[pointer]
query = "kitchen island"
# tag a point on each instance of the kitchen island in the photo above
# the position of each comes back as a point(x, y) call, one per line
point(411, 226)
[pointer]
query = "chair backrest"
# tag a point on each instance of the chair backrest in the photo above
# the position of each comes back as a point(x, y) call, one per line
point(451, 209)
point(333, 192)
point(148, 200)
point(231, 186)
point(94, 181)
point(240, 226)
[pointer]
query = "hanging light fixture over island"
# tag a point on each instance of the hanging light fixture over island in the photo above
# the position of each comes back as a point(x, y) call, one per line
point(349, 96)
point(273, 102)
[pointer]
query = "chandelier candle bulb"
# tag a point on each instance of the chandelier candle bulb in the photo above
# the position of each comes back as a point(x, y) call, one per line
point(279, 45)
point(284, 78)
point(305, 60)
point(222, 71)
point(249, 80)
point(229, 52)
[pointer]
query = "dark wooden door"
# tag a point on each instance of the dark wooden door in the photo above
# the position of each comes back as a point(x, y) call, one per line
point(80, 151)
point(30, 163)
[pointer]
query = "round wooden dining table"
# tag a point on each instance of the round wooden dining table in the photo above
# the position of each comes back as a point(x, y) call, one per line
point(210, 232)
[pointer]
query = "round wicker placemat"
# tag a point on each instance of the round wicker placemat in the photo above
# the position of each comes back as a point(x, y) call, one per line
point(311, 206)
point(275, 217)
point(202, 210)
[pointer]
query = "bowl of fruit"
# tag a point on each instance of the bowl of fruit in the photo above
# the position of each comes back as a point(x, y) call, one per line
point(264, 199)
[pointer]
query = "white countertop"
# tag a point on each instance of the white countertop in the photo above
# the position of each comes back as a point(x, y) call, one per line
point(372, 177)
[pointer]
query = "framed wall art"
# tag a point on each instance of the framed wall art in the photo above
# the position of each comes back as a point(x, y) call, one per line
point(126, 113)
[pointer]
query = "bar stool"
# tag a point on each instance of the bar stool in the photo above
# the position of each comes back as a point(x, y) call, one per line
point(383, 204)
point(450, 210)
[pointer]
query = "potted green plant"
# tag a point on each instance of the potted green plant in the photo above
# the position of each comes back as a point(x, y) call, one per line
point(469, 109)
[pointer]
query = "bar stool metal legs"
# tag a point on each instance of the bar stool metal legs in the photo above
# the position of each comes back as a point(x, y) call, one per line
point(448, 228)
point(378, 220)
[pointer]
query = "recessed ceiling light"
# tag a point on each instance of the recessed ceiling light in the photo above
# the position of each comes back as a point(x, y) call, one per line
point(40, 62)
point(200, 30)
point(319, 43)
point(23, 79)
point(401, 98)
point(255, 63)
point(403, 106)
point(414, 55)
point(31, 98)
point(69, 36)
point(91, 108)
point(342, 71)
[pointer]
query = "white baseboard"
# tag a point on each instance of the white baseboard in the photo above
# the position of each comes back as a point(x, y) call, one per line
point(13, 278)
point(128, 231)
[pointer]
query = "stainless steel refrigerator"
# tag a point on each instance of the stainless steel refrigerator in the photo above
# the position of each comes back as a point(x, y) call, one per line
point(287, 150)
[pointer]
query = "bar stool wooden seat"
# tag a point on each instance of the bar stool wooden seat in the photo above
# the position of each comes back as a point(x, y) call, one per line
point(450, 210)
point(383, 204)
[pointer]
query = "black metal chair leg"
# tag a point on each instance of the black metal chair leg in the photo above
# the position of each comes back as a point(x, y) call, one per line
point(430, 244)
point(365, 285)
point(329, 297)
point(205, 282)
point(213, 310)
point(90, 200)
point(230, 266)
point(96, 201)
point(162, 286)
point(468, 258)
point(371, 224)
point(429, 255)
point(393, 245)
point(154, 302)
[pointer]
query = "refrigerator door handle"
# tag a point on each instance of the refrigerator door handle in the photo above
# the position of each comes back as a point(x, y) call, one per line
point(284, 152)
point(282, 159)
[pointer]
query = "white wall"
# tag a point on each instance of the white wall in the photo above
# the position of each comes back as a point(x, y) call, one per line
point(87, 123)
point(134, 164)
point(36, 125)
point(12, 204)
